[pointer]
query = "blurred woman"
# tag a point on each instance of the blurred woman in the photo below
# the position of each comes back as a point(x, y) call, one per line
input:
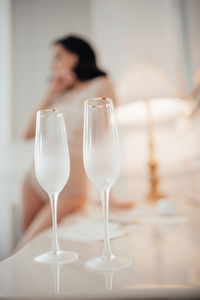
point(76, 77)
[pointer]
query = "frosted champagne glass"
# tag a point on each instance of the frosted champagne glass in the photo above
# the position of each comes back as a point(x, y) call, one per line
point(101, 155)
point(52, 168)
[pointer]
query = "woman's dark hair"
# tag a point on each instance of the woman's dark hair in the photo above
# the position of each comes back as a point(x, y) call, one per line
point(86, 67)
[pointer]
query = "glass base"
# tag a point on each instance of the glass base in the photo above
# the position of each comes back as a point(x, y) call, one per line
point(62, 257)
point(113, 264)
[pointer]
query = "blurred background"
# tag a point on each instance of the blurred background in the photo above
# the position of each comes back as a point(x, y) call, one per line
point(150, 48)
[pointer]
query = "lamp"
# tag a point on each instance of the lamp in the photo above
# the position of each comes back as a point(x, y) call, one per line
point(150, 114)
point(154, 193)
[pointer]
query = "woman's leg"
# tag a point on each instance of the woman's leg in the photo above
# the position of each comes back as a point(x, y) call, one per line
point(31, 203)
point(36, 213)
point(43, 218)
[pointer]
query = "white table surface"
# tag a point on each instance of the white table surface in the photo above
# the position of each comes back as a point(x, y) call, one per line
point(166, 264)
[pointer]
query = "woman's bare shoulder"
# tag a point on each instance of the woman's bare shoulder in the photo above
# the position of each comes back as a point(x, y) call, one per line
point(106, 88)
point(105, 80)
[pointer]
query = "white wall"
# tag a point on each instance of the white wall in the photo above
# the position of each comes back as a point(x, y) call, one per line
point(5, 71)
point(130, 31)
point(193, 27)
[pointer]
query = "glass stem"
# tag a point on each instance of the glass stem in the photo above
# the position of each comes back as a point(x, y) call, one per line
point(54, 201)
point(107, 252)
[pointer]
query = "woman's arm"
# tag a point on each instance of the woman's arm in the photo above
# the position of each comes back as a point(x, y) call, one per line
point(29, 132)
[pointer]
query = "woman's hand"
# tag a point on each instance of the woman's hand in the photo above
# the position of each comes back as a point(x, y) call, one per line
point(61, 82)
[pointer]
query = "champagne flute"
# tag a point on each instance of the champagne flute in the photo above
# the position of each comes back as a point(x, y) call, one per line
point(52, 168)
point(101, 155)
